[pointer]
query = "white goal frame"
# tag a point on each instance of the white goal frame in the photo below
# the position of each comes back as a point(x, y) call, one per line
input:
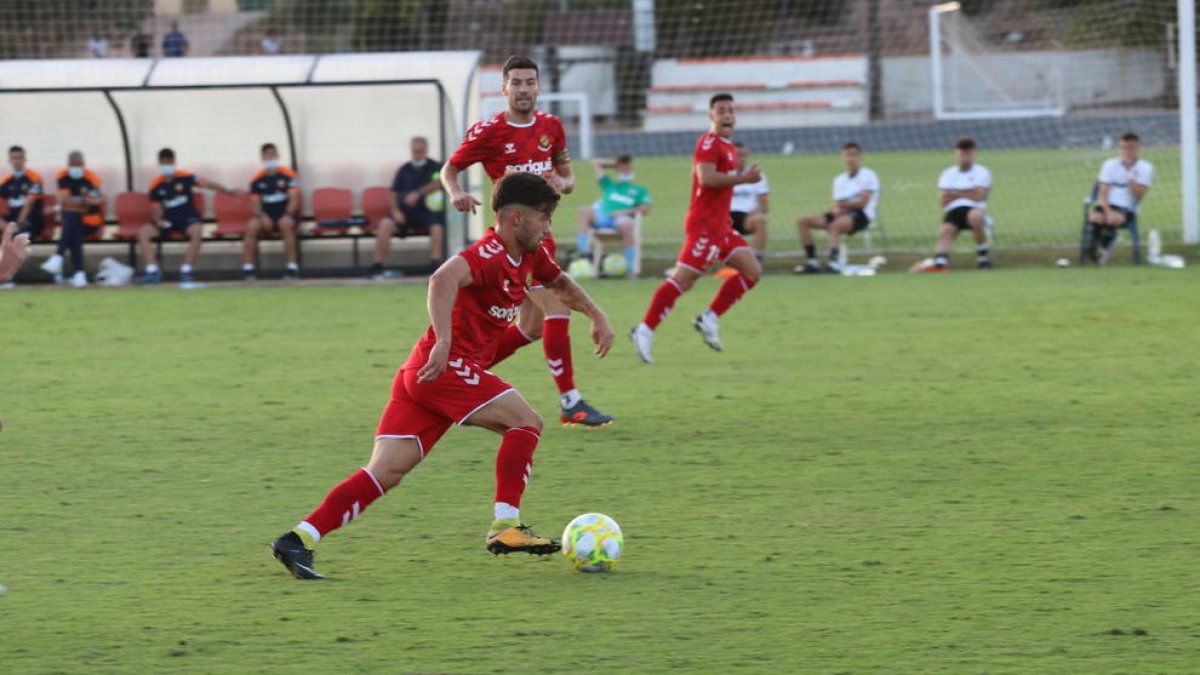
point(490, 105)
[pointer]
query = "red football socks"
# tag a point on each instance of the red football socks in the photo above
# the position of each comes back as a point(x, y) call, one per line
point(662, 302)
point(514, 462)
point(511, 340)
point(345, 502)
point(556, 342)
point(730, 292)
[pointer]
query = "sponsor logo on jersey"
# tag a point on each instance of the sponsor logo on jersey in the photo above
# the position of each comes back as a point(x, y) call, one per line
point(175, 202)
point(510, 148)
point(275, 198)
point(179, 187)
point(530, 167)
point(508, 314)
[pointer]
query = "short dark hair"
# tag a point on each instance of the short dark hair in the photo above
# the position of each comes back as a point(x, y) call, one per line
point(852, 145)
point(15, 148)
point(965, 143)
point(518, 63)
point(1130, 136)
point(267, 146)
point(717, 98)
point(165, 154)
point(624, 159)
point(414, 139)
point(524, 189)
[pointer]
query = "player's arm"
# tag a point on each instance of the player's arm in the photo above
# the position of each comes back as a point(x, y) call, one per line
point(563, 176)
point(1139, 189)
point(600, 166)
point(462, 200)
point(711, 178)
point(764, 202)
point(434, 185)
point(256, 204)
point(156, 212)
point(1102, 197)
point(35, 192)
point(864, 198)
point(293, 203)
point(572, 295)
point(217, 187)
point(443, 289)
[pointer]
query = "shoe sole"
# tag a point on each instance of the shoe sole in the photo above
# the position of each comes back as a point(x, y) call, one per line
point(591, 425)
point(500, 548)
point(715, 348)
point(308, 574)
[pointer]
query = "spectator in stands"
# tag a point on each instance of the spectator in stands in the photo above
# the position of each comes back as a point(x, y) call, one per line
point(750, 203)
point(139, 44)
point(22, 189)
point(963, 191)
point(621, 201)
point(14, 249)
point(97, 47)
point(272, 43)
point(1124, 180)
point(174, 211)
point(82, 210)
point(417, 208)
point(175, 43)
point(855, 196)
point(275, 199)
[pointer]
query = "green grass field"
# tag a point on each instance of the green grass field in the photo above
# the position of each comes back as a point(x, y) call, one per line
point(960, 473)
point(1036, 200)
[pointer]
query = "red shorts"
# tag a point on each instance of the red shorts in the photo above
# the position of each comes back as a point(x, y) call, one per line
point(700, 251)
point(426, 411)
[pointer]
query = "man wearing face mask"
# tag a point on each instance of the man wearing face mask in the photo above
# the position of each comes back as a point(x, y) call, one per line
point(174, 212)
point(417, 183)
point(22, 189)
point(81, 199)
point(275, 199)
point(620, 202)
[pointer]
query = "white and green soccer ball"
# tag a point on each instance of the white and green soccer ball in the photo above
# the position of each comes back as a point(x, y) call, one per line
point(614, 266)
point(581, 268)
point(593, 542)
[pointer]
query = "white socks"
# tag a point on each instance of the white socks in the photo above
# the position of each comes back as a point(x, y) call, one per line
point(570, 399)
point(503, 511)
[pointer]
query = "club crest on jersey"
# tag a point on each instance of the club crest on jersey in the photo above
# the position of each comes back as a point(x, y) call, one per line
point(708, 141)
point(544, 143)
point(281, 183)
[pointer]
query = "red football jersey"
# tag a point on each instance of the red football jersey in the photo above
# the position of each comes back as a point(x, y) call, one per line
point(709, 207)
point(483, 310)
point(503, 147)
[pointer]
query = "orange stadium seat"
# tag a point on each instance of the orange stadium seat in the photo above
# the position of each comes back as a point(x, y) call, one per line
point(133, 211)
point(332, 205)
point(375, 206)
point(232, 215)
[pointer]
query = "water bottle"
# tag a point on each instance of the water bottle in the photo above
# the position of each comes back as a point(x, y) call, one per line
point(1153, 246)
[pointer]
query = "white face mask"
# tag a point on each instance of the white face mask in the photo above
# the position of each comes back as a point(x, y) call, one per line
point(271, 164)
point(625, 177)
point(167, 169)
point(420, 162)
point(75, 172)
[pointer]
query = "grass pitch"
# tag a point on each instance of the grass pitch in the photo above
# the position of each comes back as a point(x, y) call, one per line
point(964, 473)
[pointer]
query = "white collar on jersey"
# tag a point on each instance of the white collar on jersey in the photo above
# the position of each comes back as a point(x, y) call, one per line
point(531, 122)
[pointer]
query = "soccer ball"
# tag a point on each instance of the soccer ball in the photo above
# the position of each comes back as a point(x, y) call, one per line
point(581, 268)
point(613, 266)
point(593, 542)
point(435, 201)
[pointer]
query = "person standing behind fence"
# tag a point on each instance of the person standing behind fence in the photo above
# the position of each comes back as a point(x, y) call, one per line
point(416, 183)
point(275, 199)
point(175, 43)
point(81, 199)
point(173, 209)
point(22, 189)
point(1123, 181)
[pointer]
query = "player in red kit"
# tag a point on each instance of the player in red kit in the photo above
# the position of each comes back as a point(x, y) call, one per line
point(710, 235)
point(526, 140)
point(473, 299)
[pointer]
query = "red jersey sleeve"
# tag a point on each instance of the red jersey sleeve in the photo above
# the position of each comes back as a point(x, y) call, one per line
point(707, 150)
point(476, 265)
point(545, 269)
point(476, 145)
point(558, 150)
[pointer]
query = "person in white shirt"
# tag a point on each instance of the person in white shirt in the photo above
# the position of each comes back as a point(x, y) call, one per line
point(1123, 180)
point(749, 205)
point(963, 191)
point(855, 198)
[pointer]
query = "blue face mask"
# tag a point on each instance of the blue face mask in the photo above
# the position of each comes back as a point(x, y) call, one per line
point(19, 172)
point(270, 164)
point(420, 162)
point(167, 169)
point(75, 172)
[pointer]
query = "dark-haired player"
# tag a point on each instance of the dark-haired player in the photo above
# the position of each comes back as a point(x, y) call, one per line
point(524, 139)
point(174, 211)
point(963, 191)
point(23, 190)
point(275, 201)
point(81, 199)
point(473, 299)
point(1124, 180)
point(709, 236)
point(855, 196)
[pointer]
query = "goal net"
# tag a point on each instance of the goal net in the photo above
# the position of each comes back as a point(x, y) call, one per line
point(1045, 87)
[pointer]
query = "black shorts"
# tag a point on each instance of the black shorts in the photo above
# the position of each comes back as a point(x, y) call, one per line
point(178, 225)
point(418, 221)
point(858, 220)
point(1124, 213)
point(273, 218)
point(957, 217)
point(738, 220)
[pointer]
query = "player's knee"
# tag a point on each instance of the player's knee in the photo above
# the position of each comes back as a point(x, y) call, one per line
point(532, 330)
point(287, 224)
point(685, 281)
point(752, 272)
point(532, 419)
point(387, 227)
